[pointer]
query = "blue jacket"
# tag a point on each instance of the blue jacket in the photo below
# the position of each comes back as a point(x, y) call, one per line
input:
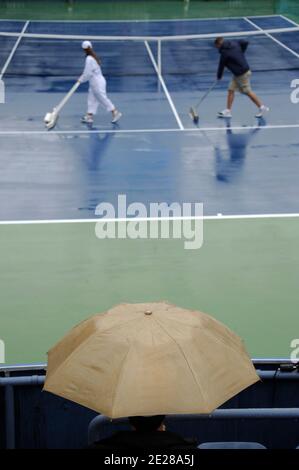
point(232, 56)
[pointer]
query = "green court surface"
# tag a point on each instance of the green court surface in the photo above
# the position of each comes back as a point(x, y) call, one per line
point(54, 275)
point(144, 9)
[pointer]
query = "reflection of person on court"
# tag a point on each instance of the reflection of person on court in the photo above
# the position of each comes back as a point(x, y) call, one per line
point(227, 168)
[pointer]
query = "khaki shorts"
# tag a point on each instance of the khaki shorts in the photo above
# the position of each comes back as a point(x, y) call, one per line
point(241, 83)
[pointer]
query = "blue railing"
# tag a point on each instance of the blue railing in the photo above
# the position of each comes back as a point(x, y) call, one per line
point(20, 375)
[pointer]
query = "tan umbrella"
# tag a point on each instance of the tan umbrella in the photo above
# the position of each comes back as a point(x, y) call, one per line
point(147, 359)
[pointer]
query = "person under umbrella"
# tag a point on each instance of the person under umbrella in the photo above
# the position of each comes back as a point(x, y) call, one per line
point(147, 432)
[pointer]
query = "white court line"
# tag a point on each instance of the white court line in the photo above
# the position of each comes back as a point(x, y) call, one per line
point(258, 16)
point(289, 20)
point(149, 219)
point(273, 38)
point(5, 66)
point(149, 131)
point(155, 65)
point(244, 128)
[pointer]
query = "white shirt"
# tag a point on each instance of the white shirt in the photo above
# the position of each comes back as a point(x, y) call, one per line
point(92, 70)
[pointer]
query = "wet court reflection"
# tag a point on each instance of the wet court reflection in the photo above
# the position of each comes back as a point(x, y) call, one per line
point(229, 161)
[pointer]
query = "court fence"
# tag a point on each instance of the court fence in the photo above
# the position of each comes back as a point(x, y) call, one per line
point(143, 10)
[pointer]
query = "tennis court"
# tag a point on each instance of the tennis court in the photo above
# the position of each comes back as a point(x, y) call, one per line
point(55, 272)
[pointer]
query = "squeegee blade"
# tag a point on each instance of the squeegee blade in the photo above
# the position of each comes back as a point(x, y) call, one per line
point(52, 122)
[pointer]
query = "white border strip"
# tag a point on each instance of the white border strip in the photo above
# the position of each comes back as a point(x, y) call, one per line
point(150, 219)
point(21, 34)
point(273, 39)
point(149, 131)
point(155, 65)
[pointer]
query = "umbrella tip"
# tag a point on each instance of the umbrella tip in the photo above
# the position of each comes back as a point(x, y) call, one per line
point(148, 312)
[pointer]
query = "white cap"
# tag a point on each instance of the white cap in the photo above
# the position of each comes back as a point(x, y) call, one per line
point(86, 45)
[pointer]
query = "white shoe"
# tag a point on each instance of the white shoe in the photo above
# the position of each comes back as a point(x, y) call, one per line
point(262, 110)
point(226, 113)
point(87, 119)
point(116, 117)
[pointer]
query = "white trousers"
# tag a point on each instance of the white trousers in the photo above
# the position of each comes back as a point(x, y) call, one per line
point(97, 95)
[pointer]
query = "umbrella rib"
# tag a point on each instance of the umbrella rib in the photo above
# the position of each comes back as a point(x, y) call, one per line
point(186, 360)
point(236, 338)
point(117, 382)
point(118, 326)
point(220, 340)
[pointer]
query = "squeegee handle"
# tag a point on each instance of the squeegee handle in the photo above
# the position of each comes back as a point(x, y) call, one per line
point(206, 93)
point(67, 97)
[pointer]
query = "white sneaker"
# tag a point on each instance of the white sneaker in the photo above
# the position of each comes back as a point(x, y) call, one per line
point(116, 117)
point(226, 113)
point(262, 110)
point(87, 119)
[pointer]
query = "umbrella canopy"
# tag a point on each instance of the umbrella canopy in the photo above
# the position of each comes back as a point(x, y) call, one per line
point(147, 359)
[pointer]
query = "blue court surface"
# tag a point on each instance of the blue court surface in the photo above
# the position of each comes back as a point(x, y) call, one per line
point(156, 152)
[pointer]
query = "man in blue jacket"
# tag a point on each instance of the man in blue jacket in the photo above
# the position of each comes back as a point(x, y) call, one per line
point(232, 56)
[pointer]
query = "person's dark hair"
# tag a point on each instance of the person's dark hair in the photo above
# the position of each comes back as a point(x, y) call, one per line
point(218, 41)
point(90, 51)
point(146, 423)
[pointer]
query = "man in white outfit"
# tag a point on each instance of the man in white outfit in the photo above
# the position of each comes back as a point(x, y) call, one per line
point(97, 86)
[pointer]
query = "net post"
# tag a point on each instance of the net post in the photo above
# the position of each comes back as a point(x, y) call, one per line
point(160, 56)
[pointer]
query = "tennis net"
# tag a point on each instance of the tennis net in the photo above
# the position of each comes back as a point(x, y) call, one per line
point(61, 55)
